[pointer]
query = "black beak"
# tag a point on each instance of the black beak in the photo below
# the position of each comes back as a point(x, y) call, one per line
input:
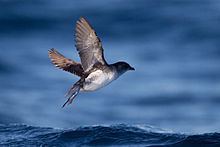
point(132, 68)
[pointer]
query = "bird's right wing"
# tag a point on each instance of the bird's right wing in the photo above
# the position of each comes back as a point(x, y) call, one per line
point(64, 63)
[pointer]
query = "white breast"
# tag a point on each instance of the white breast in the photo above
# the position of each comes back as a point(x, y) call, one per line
point(97, 80)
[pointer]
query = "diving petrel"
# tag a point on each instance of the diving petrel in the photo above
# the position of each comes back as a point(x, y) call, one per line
point(94, 71)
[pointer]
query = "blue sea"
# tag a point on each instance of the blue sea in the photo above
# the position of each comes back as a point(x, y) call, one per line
point(172, 98)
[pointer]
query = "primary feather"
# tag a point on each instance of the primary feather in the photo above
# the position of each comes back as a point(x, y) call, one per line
point(88, 45)
point(65, 64)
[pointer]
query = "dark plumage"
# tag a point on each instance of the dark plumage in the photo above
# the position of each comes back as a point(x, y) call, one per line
point(94, 72)
point(65, 64)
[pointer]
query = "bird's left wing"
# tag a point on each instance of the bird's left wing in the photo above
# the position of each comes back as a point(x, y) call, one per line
point(64, 63)
point(88, 45)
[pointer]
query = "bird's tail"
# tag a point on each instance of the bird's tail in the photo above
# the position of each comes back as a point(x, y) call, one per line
point(72, 93)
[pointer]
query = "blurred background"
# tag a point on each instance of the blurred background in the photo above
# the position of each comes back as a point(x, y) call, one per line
point(173, 45)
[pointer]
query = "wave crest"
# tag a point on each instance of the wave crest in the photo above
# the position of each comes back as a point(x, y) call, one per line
point(114, 135)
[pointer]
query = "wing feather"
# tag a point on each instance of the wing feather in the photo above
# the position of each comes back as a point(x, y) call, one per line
point(64, 63)
point(88, 45)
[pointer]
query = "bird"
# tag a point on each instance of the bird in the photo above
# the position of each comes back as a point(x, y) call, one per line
point(94, 72)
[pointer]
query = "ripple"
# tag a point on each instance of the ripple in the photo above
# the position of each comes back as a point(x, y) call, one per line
point(114, 135)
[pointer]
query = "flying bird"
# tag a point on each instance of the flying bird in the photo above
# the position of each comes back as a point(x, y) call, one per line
point(94, 71)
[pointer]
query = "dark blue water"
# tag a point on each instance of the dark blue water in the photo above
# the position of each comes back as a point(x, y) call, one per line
point(173, 45)
point(116, 135)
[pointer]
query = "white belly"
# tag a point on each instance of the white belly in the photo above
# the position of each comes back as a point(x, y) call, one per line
point(97, 80)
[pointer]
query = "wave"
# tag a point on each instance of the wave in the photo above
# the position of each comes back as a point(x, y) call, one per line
point(100, 135)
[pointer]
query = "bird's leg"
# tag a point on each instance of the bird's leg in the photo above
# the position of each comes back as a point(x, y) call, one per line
point(72, 93)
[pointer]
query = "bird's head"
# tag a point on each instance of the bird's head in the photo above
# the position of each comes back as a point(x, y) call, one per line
point(122, 67)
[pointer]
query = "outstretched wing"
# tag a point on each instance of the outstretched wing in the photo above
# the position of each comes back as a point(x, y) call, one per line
point(64, 63)
point(88, 45)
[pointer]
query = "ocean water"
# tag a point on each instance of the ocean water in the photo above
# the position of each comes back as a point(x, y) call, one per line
point(115, 135)
point(173, 45)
